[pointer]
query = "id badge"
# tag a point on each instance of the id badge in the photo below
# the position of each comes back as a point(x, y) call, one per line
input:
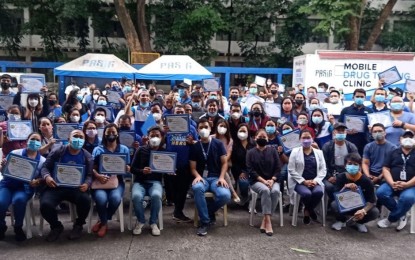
point(205, 172)
point(403, 175)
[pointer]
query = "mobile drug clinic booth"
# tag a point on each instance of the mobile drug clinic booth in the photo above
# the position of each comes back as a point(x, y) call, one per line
point(349, 70)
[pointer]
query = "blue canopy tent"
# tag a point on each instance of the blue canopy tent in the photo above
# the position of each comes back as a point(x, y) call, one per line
point(173, 67)
point(93, 65)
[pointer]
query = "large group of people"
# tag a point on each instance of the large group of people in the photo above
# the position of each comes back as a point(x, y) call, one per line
point(316, 147)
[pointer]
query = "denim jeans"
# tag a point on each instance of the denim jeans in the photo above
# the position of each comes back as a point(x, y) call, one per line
point(17, 197)
point(107, 201)
point(152, 189)
point(222, 197)
point(397, 209)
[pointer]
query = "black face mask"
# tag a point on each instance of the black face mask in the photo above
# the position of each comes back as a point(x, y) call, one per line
point(261, 142)
point(234, 97)
point(299, 101)
point(111, 138)
point(152, 92)
point(274, 91)
point(125, 128)
point(5, 85)
point(257, 113)
point(52, 102)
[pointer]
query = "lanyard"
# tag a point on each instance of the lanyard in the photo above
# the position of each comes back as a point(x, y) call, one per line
point(403, 172)
point(205, 153)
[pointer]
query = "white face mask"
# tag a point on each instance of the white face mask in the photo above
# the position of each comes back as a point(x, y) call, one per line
point(13, 117)
point(222, 130)
point(95, 97)
point(204, 133)
point(236, 115)
point(74, 119)
point(157, 116)
point(99, 119)
point(155, 141)
point(334, 100)
point(33, 102)
point(242, 135)
point(408, 142)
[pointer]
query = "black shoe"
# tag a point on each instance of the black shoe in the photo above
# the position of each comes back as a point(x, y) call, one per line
point(76, 232)
point(313, 215)
point(2, 232)
point(212, 218)
point(181, 218)
point(306, 220)
point(54, 234)
point(19, 234)
point(202, 230)
point(286, 208)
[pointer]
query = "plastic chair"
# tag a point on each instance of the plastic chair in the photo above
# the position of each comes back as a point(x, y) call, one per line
point(297, 198)
point(120, 216)
point(385, 212)
point(29, 218)
point(225, 211)
point(252, 204)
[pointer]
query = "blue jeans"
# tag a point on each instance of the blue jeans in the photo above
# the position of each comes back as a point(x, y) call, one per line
point(222, 196)
point(108, 201)
point(397, 209)
point(152, 189)
point(243, 188)
point(17, 197)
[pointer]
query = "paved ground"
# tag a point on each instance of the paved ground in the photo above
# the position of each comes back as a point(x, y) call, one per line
point(237, 241)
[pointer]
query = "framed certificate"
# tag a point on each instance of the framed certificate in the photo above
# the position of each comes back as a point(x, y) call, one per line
point(62, 131)
point(19, 130)
point(409, 86)
point(112, 163)
point(6, 101)
point(272, 109)
point(69, 175)
point(390, 76)
point(357, 123)
point(32, 83)
point(163, 162)
point(380, 117)
point(113, 96)
point(178, 123)
point(290, 140)
point(211, 84)
point(349, 200)
point(20, 168)
point(127, 138)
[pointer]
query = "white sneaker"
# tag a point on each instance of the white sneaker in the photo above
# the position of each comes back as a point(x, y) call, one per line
point(338, 225)
point(155, 231)
point(138, 229)
point(402, 223)
point(361, 228)
point(384, 223)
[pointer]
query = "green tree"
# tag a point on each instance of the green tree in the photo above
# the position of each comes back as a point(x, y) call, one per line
point(10, 30)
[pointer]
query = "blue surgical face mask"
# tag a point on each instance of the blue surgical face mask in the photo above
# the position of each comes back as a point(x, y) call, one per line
point(270, 130)
point(182, 92)
point(144, 104)
point(77, 143)
point(195, 104)
point(352, 169)
point(396, 106)
point(127, 89)
point(286, 131)
point(253, 90)
point(79, 97)
point(13, 117)
point(340, 137)
point(359, 101)
point(380, 98)
point(102, 102)
point(33, 145)
point(314, 106)
point(317, 119)
point(213, 97)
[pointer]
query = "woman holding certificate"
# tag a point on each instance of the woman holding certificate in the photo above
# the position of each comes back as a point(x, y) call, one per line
point(108, 188)
point(13, 114)
point(16, 187)
point(306, 171)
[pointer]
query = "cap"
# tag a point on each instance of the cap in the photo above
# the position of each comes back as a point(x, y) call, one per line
point(408, 133)
point(397, 90)
point(183, 85)
point(339, 125)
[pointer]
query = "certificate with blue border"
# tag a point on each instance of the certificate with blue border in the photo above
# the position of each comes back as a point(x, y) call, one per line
point(163, 162)
point(6, 101)
point(114, 96)
point(178, 124)
point(112, 163)
point(354, 122)
point(390, 76)
point(348, 200)
point(127, 138)
point(290, 141)
point(20, 168)
point(69, 175)
point(32, 83)
point(62, 131)
point(19, 130)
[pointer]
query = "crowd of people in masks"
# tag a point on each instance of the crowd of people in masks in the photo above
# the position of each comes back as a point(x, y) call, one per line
point(234, 146)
